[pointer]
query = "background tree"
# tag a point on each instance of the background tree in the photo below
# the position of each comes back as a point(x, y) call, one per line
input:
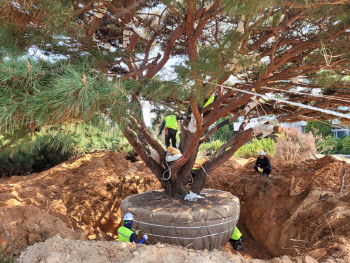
point(115, 51)
point(318, 128)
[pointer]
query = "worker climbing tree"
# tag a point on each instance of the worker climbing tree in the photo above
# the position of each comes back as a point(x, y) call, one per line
point(105, 61)
point(171, 128)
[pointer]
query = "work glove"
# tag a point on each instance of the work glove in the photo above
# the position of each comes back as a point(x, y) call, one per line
point(260, 170)
point(145, 236)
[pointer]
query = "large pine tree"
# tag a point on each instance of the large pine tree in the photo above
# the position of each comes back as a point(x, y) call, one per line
point(106, 57)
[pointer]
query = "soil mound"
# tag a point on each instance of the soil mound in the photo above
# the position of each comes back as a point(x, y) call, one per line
point(83, 194)
point(26, 225)
point(61, 250)
point(299, 211)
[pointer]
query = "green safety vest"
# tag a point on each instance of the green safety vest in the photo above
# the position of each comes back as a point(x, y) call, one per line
point(236, 234)
point(171, 122)
point(211, 99)
point(124, 234)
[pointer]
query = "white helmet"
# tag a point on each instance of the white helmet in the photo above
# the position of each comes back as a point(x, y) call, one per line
point(128, 217)
point(261, 152)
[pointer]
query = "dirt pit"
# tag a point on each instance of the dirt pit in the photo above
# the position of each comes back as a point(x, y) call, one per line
point(299, 212)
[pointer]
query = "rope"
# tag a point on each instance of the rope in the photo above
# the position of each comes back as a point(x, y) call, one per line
point(204, 170)
point(330, 112)
point(191, 179)
point(218, 224)
point(195, 237)
point(169, 169)
point(255, 133)
point(327, 54)
point(311, 95)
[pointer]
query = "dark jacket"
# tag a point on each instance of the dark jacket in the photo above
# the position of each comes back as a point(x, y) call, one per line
point(263, 163)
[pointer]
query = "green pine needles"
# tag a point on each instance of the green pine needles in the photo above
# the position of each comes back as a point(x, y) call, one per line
point(36, 96)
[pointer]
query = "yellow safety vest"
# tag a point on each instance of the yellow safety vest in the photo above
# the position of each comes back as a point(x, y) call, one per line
point(211, 99)
point(236, 234)
point(171, 122)
point(124, 234)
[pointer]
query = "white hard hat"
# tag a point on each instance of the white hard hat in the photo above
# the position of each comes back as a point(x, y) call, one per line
point(261, 152)
point(128, 217)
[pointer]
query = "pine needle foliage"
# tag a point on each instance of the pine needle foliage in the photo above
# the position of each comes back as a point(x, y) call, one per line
point(38, 95)
point(38, 22)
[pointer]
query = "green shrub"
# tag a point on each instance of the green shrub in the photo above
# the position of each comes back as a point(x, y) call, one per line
point(318, 128)
point(252, 148)
point(346, 145)
point(51, 147)
point(224, 133)
point(334, 145)
point(211, 147)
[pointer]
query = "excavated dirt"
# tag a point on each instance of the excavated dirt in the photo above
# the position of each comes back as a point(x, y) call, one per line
point(298, 212)
point(82, 194)
point(61, 250)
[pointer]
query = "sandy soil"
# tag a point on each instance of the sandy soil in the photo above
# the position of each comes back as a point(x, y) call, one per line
point(299, 211)
point(82, 194)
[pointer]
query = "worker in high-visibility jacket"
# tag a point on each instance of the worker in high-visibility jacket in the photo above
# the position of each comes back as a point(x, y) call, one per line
point(207, 103)
point(170, 124)
point(236, 240)
point(126, 234)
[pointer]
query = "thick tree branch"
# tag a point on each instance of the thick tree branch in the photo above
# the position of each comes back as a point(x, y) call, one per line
point(149, 161)
point(154, 144)
point(173, 37)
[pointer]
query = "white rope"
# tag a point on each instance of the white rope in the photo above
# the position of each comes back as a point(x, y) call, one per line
point(193, 238)
point(257, 132)
point(324, 51)
point(327, 54)
point(198, 169)
point(330, 112)
point(204, 170)
point(311, 95)
point(189, 227)
point(169, 169)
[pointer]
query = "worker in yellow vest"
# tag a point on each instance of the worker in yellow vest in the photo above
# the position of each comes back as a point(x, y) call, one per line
point(208, 102)
point(126, 234)
point(236, 240)
point(170, 124)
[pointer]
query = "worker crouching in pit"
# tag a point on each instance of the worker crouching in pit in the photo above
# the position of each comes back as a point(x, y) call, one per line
point(263, 165)
point(236, 240)
point(126, 234)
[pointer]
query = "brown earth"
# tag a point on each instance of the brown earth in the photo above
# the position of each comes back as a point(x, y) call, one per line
point(82, 194)
point(61, 250)
point(297, 212)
